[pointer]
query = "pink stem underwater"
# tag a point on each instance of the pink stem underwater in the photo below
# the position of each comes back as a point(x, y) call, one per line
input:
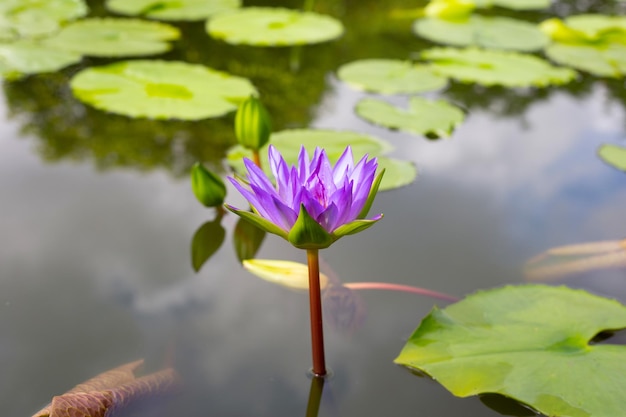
point(399, 287)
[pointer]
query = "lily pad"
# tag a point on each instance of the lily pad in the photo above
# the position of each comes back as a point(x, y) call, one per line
point(114, 37)
point(397, 174)
point(266, 26)
point(388, 76)
point(614, 156)
point(594, 24)
point(509, 69)
point(514, 4)
point(530, 343)
point(289, 274)
point(604, 61)
point(436, 118)
point(486, 32)
point(29, 18)
point(160, 89)
point(172, 10)
point(25, 57)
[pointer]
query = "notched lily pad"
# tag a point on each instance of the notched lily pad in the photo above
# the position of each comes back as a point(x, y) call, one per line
point(113, 37)
point(487, 32)
point(388, 76)
point(160, 89)
point(530, 343)
point(25, 57)
point(509, 69)
point(613, 155)
point(32, 18)
point(436, 118)
point(172, 10)
point(266, 26)
point(398, 173)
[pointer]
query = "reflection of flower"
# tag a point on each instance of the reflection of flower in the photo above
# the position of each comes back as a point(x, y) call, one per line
point(313, 204)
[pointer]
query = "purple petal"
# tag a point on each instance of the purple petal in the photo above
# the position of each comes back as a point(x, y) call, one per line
point(303, 164)
point(251, 197)
point(328, 219)
point(258, 177)
point(344, 165)
point(287, 216)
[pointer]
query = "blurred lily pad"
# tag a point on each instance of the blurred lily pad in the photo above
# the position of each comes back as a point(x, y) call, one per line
point(604, 61)
point(530, 343)
point(509, 69)
point(160, 89)
point(613, 155)
point(388, 76)
point(113, 37)
point(436, 118)
point(288, 142)
point(172, 10)
point(597, 24)
point(29, 18)
point(487, 32)
point(514, 4)
point(266, 26)
point(292, 275)
point(25, 57)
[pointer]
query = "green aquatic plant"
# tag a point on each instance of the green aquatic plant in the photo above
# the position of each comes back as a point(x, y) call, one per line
point(613, 155)
point(253, 126)
point(27, 57)
point(207, 186)
point(161, 89)
point(266, 26)
point(36, 18)
point(533, 343)
point(172, 10)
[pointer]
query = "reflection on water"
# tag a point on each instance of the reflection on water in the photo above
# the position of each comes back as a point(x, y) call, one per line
point(95, 265)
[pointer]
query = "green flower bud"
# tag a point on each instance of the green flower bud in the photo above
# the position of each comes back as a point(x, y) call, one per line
point(252, 124)
point(208, 187)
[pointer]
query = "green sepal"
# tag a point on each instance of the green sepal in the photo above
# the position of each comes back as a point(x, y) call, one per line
point(208, 187)
point(353, 227)
point(306, 233)
point(371, 195)
point(258, 221)
point(253, 125)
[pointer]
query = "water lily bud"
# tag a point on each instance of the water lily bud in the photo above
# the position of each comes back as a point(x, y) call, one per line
point(252, 124)
point(208, 187)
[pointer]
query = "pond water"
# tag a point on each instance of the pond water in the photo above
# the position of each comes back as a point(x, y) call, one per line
point(97, 216)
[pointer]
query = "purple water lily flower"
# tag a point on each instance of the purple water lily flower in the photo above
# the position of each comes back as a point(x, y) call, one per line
point(313, 203)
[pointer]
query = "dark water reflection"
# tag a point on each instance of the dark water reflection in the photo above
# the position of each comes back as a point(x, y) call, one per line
point(95, 266)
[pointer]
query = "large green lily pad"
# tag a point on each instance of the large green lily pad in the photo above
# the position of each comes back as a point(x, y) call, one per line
point(510, 69)
point(172, 10)
point(26, 18)
point(160, 89)
point(486, 32)
point(389, 76)
point(266, 26)
point(604, 60)
point(530, 343)
point(25, 57)
point(397, 173)
point(595, 24)
point(113, 37)
point(613, 155)
point(435, 118)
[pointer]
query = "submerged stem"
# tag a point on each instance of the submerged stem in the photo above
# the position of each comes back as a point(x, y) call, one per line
point(315, 303)
point(398, 287)
point(315, 396)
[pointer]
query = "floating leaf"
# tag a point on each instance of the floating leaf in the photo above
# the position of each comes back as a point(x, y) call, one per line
point(172, 10)
point(206, 241)
point(604, 60)
point(26, 57)
point(112, 37)
point(293, 275)
point(266, 26)
point(288, 142)
point(530, 343)
point(160, 89)
point(510, 69)
point(436, 118)
point(562, 261)
point(614, 156)
point(514, 4)
point(26, 18)
point(111, 390)
point(487, 32)
point(388, 76)
point(598, 25)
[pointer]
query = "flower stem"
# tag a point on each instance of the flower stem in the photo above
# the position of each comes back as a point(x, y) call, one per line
point(315, 303)
point(315, 396)
point(398, 287)
point(256, 158)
